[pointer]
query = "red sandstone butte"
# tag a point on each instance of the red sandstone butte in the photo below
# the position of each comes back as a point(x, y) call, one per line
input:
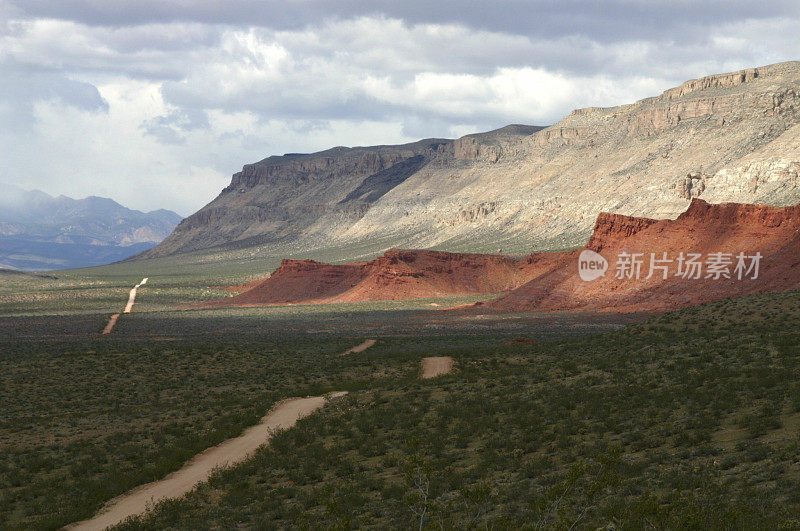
point(398, 274)
point(550, 281)
point(703, 228)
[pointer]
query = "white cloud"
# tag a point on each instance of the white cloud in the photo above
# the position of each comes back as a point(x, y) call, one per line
point(159, 111)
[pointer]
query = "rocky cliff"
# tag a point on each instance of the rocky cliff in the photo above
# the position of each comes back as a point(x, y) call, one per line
point(300, 196)
point(730, 137)
point(708, 253)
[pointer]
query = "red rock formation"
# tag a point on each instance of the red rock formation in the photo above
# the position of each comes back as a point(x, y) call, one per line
point(550, 281)
point(703, 229)
point(398, 274)
point(610, 228)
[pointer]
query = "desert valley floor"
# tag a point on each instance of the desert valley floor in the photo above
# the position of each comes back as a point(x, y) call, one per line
point(582, 417)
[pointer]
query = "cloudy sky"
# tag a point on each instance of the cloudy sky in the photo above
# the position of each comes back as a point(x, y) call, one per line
point(155, 103)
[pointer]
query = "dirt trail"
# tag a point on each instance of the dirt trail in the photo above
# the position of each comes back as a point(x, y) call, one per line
point(197, 470)
point(111, 322)
point(360, 348)
point(436, 366)
point(132, 296)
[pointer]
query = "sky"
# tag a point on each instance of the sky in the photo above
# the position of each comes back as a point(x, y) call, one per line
point(156, 103)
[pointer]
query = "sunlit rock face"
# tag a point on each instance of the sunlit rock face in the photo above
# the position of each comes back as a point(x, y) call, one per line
point(730, 137)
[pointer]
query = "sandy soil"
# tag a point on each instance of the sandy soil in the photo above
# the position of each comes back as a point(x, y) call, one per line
point(197, 470)
point(436, 366)
point(361, 347)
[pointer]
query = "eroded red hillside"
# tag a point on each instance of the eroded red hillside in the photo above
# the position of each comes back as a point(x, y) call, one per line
point(398, 274)
point(550, 281)
point(704, 230)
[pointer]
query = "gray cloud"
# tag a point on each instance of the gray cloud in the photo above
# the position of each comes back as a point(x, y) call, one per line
point(605, 21)
point(21, 89)
point(191, 90)
point(172, 127)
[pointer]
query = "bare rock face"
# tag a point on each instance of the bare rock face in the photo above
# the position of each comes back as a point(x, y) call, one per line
point(693, 185)
point(610, 228)
point(703, 230)
point(728, 137)
point(733, 79)
point(553, 281)
point(469, 148)
point(284, 197)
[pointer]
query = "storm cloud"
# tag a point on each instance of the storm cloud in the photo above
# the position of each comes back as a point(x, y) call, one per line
point(156, 103)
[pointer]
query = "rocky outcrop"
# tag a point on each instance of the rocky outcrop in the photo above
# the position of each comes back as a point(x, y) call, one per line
point(552, 281)
point(474, 214)
point(398, 274)
point(283, 197)
point(732, 137)
point(610, 228)
point(693, 185)
point(562, 136)
point(490, 147)
point(733, 79)
point(764, 241)
point(469, 148)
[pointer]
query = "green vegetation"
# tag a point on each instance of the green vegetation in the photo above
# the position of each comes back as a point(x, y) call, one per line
point(82, 422)
point(690, 419)
point(182, 279)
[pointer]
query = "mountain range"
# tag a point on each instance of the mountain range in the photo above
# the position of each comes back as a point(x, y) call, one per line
point(42, 232)
point(729, 137)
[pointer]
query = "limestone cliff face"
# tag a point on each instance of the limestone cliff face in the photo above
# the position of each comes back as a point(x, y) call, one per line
point(729, 137)
point(284, 197)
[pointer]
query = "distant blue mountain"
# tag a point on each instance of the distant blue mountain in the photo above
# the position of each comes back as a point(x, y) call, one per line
point(39, 232)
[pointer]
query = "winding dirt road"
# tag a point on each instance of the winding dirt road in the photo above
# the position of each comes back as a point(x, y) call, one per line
point(436, 366)
point(197, 470)
point(230, 452)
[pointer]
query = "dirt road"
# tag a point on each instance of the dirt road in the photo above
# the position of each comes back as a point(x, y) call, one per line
point(110, 325)
point(361, 347)
point(112, 321)
point(436, 366)
point(132, 296)
point(232, 451)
